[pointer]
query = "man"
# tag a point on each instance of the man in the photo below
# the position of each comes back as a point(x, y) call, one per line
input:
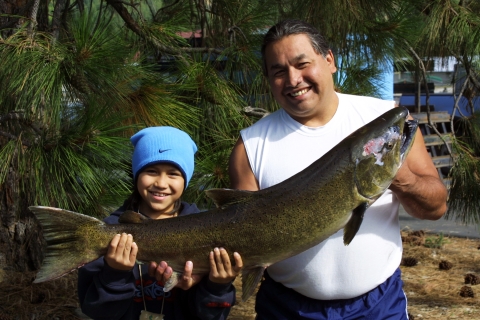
point(330, 280)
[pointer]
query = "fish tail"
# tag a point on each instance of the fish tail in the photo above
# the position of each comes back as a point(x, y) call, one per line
point(66, 241)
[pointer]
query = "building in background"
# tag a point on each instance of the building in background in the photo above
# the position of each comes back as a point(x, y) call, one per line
point(440, 77)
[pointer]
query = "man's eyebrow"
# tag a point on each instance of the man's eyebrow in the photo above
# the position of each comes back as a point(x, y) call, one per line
point(294, 60)
point(275, 66)
point(299, 57)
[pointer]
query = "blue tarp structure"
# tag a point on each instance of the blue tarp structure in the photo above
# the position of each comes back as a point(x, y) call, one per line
point(441, 102)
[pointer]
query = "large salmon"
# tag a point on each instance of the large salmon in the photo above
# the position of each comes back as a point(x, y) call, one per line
point(265, 226)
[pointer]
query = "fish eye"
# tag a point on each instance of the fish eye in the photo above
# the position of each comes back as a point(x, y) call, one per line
point(388, 145)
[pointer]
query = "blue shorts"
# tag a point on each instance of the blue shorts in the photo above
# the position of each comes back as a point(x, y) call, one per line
point(387, 301)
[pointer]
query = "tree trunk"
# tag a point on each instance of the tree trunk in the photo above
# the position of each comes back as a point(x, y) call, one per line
point(10, 10)
point(21, 240)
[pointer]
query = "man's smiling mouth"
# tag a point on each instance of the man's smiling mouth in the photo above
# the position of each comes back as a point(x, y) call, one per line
point(299, 93)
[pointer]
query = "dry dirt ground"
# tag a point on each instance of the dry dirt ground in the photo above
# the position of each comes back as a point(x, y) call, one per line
point(435, 270)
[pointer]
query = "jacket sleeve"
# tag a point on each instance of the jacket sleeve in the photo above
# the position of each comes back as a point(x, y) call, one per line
point(211, 301)
point(103, 292)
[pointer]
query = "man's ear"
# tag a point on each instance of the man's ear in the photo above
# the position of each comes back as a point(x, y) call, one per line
point(331, 61)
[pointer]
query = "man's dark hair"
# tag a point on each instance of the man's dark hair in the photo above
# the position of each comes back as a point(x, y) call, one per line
point(290, 27)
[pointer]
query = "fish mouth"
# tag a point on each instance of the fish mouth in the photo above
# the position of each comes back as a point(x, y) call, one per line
point(408, 136)
point(383, 154)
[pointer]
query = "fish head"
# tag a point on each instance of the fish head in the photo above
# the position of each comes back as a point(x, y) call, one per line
point(380, 149)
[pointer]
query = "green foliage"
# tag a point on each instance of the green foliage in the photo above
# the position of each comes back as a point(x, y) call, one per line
point(76, 89)
point(375, 31)
point(451, 28)
point(68, 107)
point(351, 70)
point(464, 202)
point(33, 76)
point(435, 242)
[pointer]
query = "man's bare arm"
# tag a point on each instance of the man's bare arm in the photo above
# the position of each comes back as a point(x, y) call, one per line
point(418, 186)
point(241, 175)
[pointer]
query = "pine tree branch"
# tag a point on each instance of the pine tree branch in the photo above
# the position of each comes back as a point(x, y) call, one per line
point(470, 78)
point(11, 116)
point(257, 112)
point(427, 98)
point(12, 137)
point(57, 15)
point(22, 11)
point(166, 7)
point(33, 17)
point(20, 117)
point(133, 25)
point(457, 100)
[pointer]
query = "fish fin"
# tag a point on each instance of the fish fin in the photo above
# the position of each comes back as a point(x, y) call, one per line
point(250, 280)
point(130, 216)
point(354, 223)
point(172, 281)
point(225, 197)
point(60, 230)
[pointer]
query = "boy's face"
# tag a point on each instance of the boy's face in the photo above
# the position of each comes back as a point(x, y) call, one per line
point(300, 79)
point(160, 185)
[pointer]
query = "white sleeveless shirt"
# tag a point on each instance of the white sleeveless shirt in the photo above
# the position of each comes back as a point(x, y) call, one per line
point(278, 147)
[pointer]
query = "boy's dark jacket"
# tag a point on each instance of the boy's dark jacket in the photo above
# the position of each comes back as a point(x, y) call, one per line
point(106, 293)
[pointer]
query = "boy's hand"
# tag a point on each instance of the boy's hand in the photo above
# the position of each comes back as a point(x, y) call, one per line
point(162, 272)
point(122, 252)
point(221, 270)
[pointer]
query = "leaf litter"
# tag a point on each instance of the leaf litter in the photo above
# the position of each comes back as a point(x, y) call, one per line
point(432, 292)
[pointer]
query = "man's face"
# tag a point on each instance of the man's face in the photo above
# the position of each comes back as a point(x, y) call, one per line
point(300, 79)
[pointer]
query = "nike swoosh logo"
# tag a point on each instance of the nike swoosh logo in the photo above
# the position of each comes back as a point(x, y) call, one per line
point(162, 151)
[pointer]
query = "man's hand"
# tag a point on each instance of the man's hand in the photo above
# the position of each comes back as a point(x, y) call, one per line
point(418, 186)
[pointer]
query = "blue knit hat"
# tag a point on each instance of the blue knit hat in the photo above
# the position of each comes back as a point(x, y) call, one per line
point(163, 145)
